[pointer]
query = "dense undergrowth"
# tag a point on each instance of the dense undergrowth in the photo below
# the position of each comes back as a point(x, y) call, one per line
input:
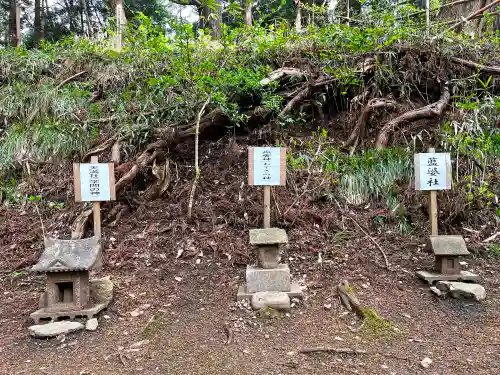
point(64, 98)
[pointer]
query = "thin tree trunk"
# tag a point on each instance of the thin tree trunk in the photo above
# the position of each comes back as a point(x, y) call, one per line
point(298, 16)
point(211, 18)
point(85, 6)
point(38, 22)
point(247, 8)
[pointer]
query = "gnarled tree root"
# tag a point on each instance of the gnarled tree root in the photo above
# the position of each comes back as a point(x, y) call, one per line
point(360, 127)
point(434, 110)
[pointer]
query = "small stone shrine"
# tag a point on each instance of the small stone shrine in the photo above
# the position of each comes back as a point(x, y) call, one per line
point(447, 251)
point(268, 275)
point(68, 293)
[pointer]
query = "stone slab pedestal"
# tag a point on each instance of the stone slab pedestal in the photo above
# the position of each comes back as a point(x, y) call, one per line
point(432, 277)
point(268, 279)
point(243, 293)
point(268, 275)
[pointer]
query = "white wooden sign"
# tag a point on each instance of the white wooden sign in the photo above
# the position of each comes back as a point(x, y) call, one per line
point(266, 166)
point(94, 182)
point(432, 171)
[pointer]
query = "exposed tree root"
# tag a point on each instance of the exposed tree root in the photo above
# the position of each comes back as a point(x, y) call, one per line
point(434, 110)
point(196, 158)
point(480, 67)
point(102, 147)
point(279, 74)
point(305, 92)
point(80, 225)
point(360, 127)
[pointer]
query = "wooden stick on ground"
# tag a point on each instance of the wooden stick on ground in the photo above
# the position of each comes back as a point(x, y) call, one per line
point(196, 157)
point(332, 350)
point(349, 299)
point(373, 240)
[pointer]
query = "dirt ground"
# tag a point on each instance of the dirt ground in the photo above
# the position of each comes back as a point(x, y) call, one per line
point(176, 282)
point(183, 321)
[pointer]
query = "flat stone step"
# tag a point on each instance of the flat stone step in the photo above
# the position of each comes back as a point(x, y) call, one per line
point(54, 329)
point(432, 277)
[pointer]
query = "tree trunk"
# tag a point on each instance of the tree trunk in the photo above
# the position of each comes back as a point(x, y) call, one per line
point(247, 9)
point(210, 18)
point(12, 21)
point(298, 17)
point(38, 22)
point(85, 10)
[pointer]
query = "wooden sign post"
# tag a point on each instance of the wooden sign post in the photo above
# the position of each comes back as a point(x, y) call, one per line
point(433, 173)
point(267, 167)
point(95, 183)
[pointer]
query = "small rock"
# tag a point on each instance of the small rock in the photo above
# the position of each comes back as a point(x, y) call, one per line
point(107, 317)
point(327, 306)
point(177, 278)
point(384, 367)
point(436, 291)
point(426, 362)
point(273, 300)
point(138, 344)
point(61, 338)
point(266, 336)
point(461, 290)
point(292, 353)
point(54, 329)
point(91, 324)
point(135, 313)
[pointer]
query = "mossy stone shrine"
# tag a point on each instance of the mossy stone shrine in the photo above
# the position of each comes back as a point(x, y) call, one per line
point(433, 173)
point(67, 263)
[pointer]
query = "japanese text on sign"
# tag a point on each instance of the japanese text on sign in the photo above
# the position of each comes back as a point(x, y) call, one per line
point(94, 182)
point(267, 166)
point(432, 171)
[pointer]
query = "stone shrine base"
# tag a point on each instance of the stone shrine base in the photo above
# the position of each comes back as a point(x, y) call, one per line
point(72, 314)
point(432, 277)
point(243, 293)
point(101, 294)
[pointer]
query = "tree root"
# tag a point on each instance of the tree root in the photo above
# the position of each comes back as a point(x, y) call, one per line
point(480, 67)
point(196, 158)
point(360, 127)
point(305, 92)
point(279, 74)
point(102, 147)
point(80, 225)
point(434, 110)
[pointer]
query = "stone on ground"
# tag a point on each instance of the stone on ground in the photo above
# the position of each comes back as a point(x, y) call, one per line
point(436, 291)
point(101, 290)
point(273, 300)
point(462, 290)
point(54, 329)
point(91, 324)
point(426, 362)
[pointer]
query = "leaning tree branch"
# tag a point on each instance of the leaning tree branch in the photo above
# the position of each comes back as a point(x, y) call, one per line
point(480, 67)
point(434, 110)
point(360, 127)
point(474, 14)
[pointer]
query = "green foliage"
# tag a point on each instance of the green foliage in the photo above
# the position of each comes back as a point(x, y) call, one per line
point(493, 250)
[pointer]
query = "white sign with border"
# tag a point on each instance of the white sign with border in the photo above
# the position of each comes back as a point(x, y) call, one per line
point(266, 166)
point(432, 171)
point(94, 182)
